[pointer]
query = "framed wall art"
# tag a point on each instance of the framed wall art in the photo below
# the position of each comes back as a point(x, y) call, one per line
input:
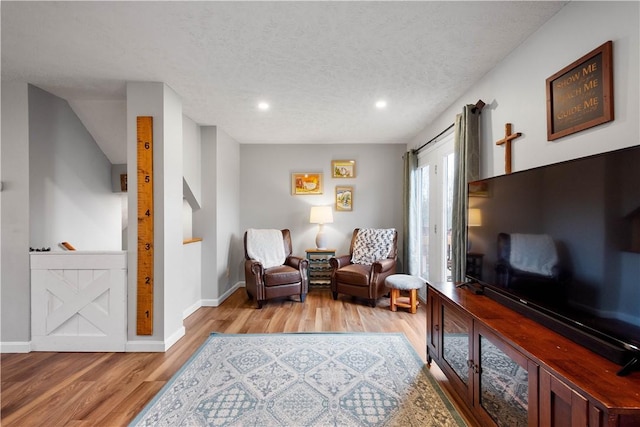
point(305, 183)
point(343, 169)
point(344, 198)
point(580, 95)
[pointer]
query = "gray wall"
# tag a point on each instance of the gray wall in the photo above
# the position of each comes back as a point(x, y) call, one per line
point(14, 217)
point(70, 191)
point(266, 200)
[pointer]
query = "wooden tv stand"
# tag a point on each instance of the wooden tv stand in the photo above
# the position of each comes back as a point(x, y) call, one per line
point(508, 368)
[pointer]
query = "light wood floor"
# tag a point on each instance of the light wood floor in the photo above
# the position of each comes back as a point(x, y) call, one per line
point(109, 389)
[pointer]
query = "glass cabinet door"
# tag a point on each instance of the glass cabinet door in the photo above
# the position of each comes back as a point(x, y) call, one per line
point(503, 383)
point(456, 344)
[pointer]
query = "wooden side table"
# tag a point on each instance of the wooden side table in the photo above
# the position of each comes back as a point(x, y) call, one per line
point(319, 268)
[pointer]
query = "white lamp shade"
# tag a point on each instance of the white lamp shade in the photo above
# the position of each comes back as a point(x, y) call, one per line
point(475, 217)
point(321, 215)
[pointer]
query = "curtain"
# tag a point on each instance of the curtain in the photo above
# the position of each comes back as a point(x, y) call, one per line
point(467, 168)
point(410, 213)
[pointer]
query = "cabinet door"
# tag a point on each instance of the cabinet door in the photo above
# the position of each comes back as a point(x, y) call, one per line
point(433, 326)
point(505, 382)
point(560, 405)
point(456, 348)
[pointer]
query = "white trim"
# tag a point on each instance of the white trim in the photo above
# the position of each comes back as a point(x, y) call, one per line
point(145, 347)
point(15, 347)
point(217, 301)
point(173, 338)
point(443, 139)
point(190, 310)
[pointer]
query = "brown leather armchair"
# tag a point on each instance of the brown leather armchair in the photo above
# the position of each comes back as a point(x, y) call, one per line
point(362, 280)
point(280, 281)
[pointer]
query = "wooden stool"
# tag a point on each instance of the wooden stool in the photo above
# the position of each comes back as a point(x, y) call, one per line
point(404, 282)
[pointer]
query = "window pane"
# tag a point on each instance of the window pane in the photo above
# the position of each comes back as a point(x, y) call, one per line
point(448, 203)
point(424, 222)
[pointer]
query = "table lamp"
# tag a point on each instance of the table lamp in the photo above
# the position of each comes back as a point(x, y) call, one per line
point(475, 220)
point(321, 215)
point(475, 217)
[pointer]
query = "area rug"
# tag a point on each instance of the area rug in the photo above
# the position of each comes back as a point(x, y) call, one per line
point(302, 379)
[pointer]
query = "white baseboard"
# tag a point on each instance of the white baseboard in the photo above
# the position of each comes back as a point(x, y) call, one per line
point(173, 338)
point(216, 302)
point(145, 347)
point(154, 346)
point(15, 347)
point(190, 310)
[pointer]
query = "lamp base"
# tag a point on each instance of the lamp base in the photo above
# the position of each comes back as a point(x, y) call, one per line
point(321, 238)
point(321, 241)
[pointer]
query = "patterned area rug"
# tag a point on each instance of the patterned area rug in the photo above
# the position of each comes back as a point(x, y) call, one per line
point(302, 379)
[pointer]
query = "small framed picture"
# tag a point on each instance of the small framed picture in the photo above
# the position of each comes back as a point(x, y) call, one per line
point(344, 198)
point(305, 183)
point(343, 169)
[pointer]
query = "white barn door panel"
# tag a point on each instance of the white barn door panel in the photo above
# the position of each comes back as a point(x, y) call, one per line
point(78, 301)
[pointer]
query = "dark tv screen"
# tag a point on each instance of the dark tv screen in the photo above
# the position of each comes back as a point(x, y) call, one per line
point(590, 209)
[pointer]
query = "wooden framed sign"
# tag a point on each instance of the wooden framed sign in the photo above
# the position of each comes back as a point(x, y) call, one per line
point(580, 95)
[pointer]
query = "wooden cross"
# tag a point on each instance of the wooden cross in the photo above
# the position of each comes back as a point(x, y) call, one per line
point(508, 137)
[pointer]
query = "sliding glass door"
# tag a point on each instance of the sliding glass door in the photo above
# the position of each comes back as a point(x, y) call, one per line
point(435, 165)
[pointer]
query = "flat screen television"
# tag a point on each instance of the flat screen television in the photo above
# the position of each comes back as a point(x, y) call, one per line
point(585, 210)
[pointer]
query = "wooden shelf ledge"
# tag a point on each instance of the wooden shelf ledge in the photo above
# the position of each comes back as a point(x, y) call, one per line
point(192, 240)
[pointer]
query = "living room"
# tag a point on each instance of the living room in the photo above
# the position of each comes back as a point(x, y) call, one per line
point(59, 186)
point(235, 186)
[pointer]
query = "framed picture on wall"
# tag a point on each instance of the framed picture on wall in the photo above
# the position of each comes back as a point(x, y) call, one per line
point(306, 183)
point(344, 198)
point(580, 95)
point(343, 169)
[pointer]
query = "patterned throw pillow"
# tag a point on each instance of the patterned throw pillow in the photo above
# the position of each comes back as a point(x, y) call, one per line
point(372, 244)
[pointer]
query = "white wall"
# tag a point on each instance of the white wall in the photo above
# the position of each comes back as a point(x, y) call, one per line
point(14, 219)
point(190, 295)
point(172, 193)
point(205, 219)
point(266, 200)
point(228, 236)
point(70, 192)
point(217, 220)
point(191, 161)
point(515, 90)
point(163, 104)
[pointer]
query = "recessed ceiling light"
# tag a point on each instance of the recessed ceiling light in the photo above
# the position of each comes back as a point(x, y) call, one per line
point(381, 104)
point(263, 106)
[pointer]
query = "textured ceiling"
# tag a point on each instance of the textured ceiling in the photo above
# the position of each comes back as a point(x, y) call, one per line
point(321, 65)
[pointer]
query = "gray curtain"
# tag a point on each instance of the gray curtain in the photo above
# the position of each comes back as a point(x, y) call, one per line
point(467, 168)
point(410, 199)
